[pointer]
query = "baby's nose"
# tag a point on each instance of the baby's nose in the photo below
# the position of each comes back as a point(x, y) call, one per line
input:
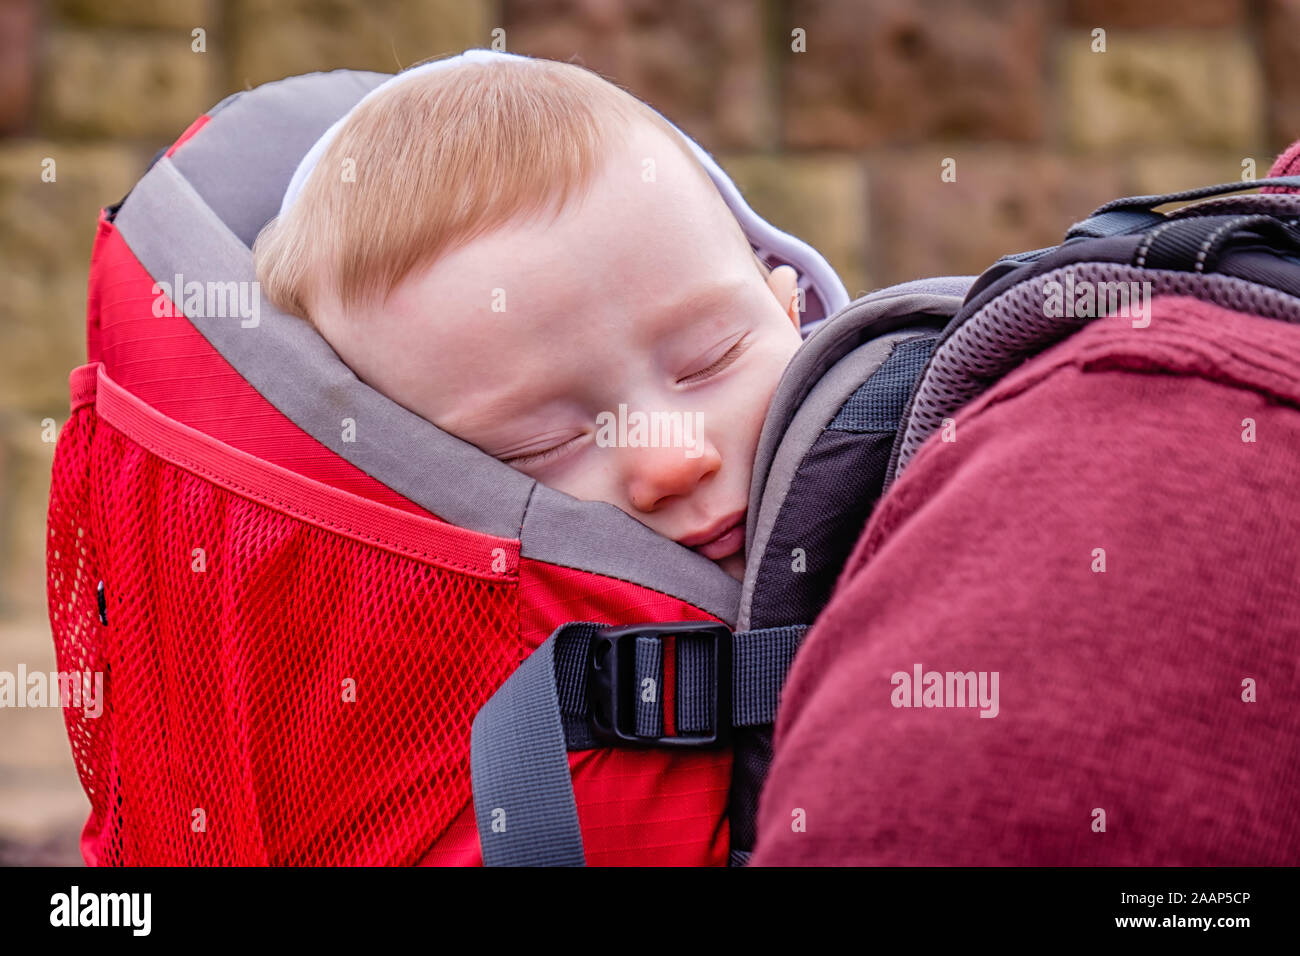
point(654, 474)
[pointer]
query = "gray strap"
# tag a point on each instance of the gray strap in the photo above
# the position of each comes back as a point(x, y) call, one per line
point(649, 668)
point(760, 661)
point(1202, 192)
point(523, 791)
point(697, 683)
point(572, 644)
point(1117, 222)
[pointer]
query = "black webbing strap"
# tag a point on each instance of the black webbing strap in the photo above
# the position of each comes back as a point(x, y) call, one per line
point(523, 792)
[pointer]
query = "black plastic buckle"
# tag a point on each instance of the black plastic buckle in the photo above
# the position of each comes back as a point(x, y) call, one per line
point(612, 690)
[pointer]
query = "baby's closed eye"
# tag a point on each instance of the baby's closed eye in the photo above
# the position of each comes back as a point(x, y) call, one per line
point(543, 455)
point(730, 356)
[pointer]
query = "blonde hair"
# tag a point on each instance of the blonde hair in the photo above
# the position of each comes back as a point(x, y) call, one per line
point(439, 160)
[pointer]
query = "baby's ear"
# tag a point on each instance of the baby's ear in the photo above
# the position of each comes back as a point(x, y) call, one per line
point(784, 283)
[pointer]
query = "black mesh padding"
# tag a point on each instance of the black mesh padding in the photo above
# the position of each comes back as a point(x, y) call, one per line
point(834, 490)
point(753, 748)
point(879, 403)
point(833, 493)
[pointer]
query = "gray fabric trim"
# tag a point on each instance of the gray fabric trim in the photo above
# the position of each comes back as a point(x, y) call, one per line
point(520, 771)
point(598, 537)
point(933, 285)
point(871, 316)
point(814, 415)
point(171, 230)
point(267, 129)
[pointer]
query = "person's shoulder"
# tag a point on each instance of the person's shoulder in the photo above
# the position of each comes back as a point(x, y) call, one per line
point(1112, 407)
point(1104, 378)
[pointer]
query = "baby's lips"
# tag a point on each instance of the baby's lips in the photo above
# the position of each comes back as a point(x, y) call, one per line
point(725, 544)
point(714, 530)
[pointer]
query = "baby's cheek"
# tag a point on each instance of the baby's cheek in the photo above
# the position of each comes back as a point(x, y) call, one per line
point(589, 477)
point(762, 392)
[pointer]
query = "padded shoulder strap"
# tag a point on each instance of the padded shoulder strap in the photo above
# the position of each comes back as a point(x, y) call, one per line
point(1243, 256)
point(830, 367)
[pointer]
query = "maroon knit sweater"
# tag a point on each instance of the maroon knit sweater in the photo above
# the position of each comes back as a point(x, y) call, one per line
point(1124, 694)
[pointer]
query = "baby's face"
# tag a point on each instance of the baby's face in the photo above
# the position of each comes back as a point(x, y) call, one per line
point(544, 343)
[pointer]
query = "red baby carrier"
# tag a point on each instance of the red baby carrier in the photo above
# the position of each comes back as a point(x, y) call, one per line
point(300, 594)
point(331, 633)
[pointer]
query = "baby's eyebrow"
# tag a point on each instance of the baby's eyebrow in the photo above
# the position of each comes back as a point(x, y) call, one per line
point(705, 300)
point(516, 425)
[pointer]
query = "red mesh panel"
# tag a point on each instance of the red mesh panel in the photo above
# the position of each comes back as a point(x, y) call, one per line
point(226, 686)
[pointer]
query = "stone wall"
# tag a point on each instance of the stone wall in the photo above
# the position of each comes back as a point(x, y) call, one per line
point(835, 117)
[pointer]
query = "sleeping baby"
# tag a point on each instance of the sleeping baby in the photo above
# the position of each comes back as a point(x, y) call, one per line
point(529, 257)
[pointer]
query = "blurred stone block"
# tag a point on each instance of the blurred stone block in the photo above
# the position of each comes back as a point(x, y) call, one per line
point(1281, 45)
point(1003, 201)
point(42, 804)
point(180, 14)
point(699, 62)
point(819, 199)
point(36, 742)
point(1111, 14)
point(46, 231)
point(17, 62)
point(1171, 170)
point(120, 85)
point(272, 39)
point(25, 463)
point(59, 849)
point(1182, 88)
point(903, 71)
